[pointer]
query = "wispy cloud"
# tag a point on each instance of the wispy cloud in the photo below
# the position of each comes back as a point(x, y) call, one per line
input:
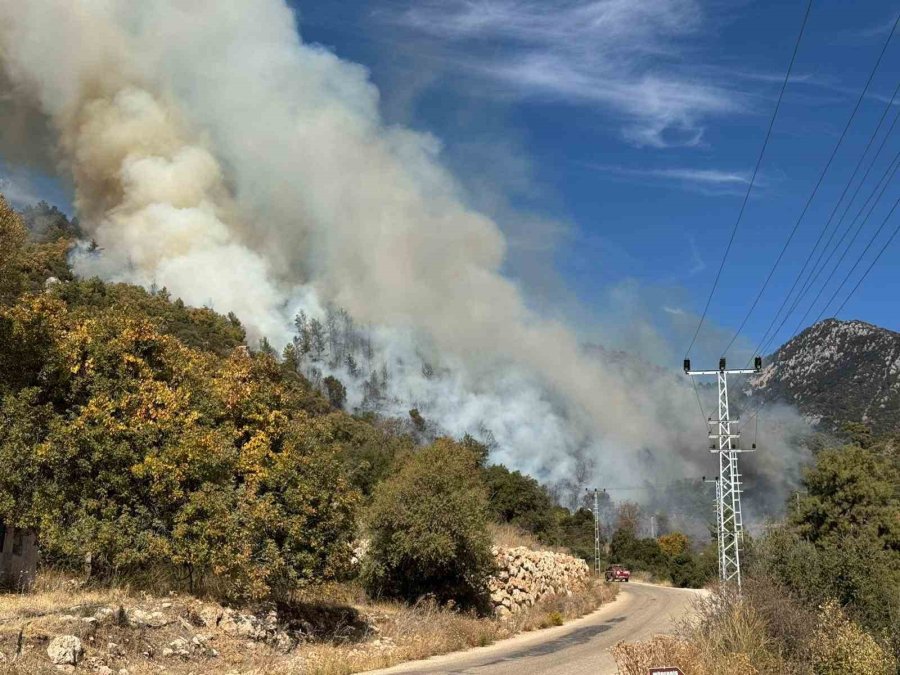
point(626, 56)
point(859, 35)
point(708, 181)
point(697, 263)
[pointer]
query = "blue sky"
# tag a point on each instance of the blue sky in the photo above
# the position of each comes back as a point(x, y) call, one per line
point(613, 141)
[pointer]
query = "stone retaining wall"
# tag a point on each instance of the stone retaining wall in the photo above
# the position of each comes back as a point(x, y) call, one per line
point(525, 576)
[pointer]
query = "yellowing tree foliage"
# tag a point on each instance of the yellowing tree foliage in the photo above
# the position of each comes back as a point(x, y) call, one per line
point(121, 441)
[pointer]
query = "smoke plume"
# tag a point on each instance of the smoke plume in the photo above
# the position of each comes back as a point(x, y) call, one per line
point(214, 153)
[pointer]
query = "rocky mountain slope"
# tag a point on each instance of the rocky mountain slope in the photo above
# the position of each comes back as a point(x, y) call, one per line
point(835, 372)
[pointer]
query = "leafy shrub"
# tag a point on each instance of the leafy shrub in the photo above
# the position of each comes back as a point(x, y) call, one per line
point(843, 541)
point(642, 555)
point(12, 242)
point(520, 500)
point(575, 532)
point(840, 646)
point(674, 543)
point(428, 526)
point(122, 442)
point(685, 572)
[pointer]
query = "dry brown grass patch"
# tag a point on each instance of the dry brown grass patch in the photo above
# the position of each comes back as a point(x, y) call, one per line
point(391, 632)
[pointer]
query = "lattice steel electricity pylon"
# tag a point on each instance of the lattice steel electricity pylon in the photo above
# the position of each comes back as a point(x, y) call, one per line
point(730, 518)
point(718, 508)
point(597, 532)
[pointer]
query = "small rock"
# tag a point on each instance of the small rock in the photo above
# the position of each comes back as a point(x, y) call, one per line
point(210, 616)
point(104, 614)
point(179, 647)
point(104, 670)
point(138, 618)
point(65, 650)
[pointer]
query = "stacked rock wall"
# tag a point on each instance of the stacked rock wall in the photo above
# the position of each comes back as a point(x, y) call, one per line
point(525, 576)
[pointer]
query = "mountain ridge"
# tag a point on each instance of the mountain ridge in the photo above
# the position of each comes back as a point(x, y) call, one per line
point(835, 372)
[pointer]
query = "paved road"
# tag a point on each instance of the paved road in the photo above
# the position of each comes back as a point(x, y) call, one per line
point(578, 648)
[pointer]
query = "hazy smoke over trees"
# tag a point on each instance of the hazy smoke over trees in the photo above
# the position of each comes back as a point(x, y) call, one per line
point(216, 154)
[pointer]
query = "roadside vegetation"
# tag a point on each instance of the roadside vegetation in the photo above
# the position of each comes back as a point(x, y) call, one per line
point(157, 455)
point(822, 590)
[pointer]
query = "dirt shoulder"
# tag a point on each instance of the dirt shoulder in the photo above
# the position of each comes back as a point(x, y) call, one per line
point(62, 625)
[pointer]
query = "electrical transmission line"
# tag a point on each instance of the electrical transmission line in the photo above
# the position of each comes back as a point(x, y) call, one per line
point(750, 185)
point(816, 268)
point(883, 183)
point(859, 260)
point(815, 191)
point(837, 266)
point(884, 247)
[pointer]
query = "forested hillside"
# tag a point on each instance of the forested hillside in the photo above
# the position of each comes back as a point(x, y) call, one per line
point(147, 435)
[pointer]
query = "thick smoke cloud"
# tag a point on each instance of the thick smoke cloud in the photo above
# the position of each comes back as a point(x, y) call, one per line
point(216, 154)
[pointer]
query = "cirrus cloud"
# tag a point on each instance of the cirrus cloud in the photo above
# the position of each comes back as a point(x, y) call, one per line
point(626, 57)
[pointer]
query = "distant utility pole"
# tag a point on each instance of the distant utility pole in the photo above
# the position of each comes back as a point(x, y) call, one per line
point(718, 508)
point(653, 527)
point(731, 519)
point(596, 531)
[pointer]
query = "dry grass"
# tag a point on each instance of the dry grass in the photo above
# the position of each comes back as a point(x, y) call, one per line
point(392, 632)
point(765, 631)
point(648, 578)
point(55, 593)
point(510, 536)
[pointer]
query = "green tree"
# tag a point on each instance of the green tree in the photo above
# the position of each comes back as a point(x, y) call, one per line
point(428, 528)
point(12, 242)
point(842, 542)
point(335, 391)
point(851, 491)
point(521, 500)
point(684, 571)
point(638, 554)
point(575, 531)
point(120, 441)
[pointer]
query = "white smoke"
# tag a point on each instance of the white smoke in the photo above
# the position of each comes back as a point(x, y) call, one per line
point(216, 154)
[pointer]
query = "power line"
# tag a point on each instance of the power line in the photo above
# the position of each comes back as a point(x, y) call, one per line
point(816, 270)
point(813, 194)
point(822, 234)
point(896, 164)
point(887, 243)
point(886, 177)
point(849, 229)
point(703, 416)
point(861, 255)
point(762, 152)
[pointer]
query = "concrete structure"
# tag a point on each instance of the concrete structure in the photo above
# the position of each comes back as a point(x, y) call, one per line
point(18, 557)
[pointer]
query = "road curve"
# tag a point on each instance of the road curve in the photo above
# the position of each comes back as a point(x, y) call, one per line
point(577, 648)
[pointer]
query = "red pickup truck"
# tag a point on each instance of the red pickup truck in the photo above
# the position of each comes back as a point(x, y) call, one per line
point(617, 573)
